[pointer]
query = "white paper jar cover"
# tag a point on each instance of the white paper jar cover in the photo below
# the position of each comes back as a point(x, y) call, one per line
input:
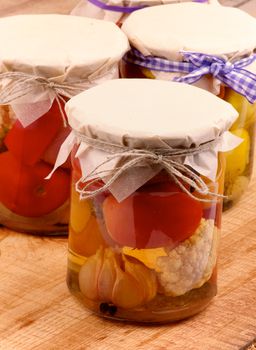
point(143, 114)
point(111, 10)
point(63, 49)
point(217, 30)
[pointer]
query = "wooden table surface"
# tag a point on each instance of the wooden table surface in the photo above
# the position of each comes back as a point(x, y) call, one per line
point(37, 312)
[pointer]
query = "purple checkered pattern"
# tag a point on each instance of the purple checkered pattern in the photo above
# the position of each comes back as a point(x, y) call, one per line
point(196, 65)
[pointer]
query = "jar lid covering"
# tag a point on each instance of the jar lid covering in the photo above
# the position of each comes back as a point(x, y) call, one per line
point(145, 120)
point(149, 113)
point(213, 29)
point(54, 45)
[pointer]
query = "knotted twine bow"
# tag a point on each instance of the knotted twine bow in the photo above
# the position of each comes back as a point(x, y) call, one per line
point(166, 158)
point(21, 84)
point(197, 65)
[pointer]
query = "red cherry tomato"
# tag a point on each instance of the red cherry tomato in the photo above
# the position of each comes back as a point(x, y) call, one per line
point(24, 191)
point(28, 144)
point(154, 218)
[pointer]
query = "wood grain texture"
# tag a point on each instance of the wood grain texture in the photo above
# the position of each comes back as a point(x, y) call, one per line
point(37, 312)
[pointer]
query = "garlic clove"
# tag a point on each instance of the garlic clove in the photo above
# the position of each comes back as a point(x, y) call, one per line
point(144, 276)
point(111, 277)
point(127, 292)
point(89, 273)
point(107, 277)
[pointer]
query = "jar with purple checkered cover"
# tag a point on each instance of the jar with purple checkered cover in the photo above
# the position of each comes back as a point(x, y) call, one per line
point(211, 47)
point(118, 10)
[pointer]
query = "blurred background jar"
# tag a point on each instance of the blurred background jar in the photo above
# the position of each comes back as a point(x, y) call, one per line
point(146, 200)
point(45, 60)
point(118, 11)
point(208, 46)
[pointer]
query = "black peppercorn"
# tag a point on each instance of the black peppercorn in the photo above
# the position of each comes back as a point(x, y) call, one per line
point(104, 307)
point(112, 310)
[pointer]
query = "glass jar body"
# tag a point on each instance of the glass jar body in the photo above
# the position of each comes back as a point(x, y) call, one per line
point(150, 258)
point(29, 202)
point(240, 160)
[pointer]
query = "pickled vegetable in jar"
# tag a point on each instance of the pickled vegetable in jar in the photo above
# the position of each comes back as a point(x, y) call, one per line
point(185, 46)
point(44, 61)
point(118, 11)
point(146, 202)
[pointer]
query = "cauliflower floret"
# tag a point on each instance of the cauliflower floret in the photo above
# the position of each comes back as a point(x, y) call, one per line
point(191, 263)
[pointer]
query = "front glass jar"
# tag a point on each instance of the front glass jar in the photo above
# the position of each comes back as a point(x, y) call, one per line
point(37, 79)
point(151, 257)
point(175, 49)
point(146, 199)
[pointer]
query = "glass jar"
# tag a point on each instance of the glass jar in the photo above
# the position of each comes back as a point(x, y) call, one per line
point(143, 238)
point(37, 79)
point(167, 43)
